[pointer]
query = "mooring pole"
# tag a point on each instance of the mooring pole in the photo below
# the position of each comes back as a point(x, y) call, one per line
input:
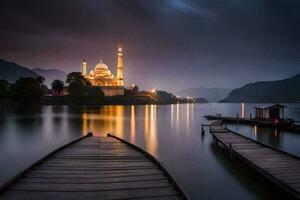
point(215, 139)
point(230, 149)
point(202, 129)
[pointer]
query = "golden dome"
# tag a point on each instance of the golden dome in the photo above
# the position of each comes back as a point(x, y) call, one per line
point(100, 66)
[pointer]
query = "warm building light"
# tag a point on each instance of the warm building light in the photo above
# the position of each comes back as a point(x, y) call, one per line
point(153, 90)
point(242, 110)
point(133, 85)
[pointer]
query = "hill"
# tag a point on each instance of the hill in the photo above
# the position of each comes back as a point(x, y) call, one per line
point(211, 94)
point(287, 90)
point(12, 71)
point(50, 75)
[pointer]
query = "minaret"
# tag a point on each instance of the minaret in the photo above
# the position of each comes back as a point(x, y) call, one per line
point(83, 68)
point(120, 67)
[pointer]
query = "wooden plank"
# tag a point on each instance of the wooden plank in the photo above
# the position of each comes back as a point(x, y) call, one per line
point(280, 167)
point(91, 168)
point(100, 157)
point(95, 175)
point(95, 168)
point(99, 164)
point(149, 193)
point(75, 161)
point(91, 171)
point(68, 187)
point(92, 180)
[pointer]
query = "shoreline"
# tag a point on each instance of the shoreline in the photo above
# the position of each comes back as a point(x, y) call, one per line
point(113, 100)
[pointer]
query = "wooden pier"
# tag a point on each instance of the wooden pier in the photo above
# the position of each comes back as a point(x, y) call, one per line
point(94, 168)
point(278, 166)
point(286, 125)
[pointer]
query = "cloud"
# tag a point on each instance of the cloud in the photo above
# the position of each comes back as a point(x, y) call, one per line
point(189, 8)
point(191, 37)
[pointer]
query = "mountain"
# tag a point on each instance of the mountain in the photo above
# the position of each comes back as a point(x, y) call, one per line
point(287, 90)
point(50, 75)
point(211, 94)
point(12, 71)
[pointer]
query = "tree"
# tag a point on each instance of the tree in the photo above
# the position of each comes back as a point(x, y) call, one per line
point(164, 97)
point(57, 86)
point(40, 80)
point(77, 77)
point(93, 92)
point(28, 90)
point(4, 89)
point(45, 89)
point(76, 89)
point(77, 85)
point(81, 90)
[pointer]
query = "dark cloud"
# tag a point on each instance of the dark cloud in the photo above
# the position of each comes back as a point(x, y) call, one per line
point(168, 43)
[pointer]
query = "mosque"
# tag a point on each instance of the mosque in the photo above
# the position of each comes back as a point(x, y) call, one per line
point(101, 76)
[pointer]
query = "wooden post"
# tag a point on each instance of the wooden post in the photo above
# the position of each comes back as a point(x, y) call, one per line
point(214, 138)
point(90, 134)
point(202, 129)
point(250, 116)
point(230, 149)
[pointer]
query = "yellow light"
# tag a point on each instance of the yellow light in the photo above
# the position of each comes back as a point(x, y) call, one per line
point(242, 110)
point(133, 85)
point(120, 49)
point(153, 90)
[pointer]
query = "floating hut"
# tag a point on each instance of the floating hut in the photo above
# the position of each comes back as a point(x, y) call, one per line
point(273, 113)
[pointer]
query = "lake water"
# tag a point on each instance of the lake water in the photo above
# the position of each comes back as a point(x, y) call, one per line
point(169, 132)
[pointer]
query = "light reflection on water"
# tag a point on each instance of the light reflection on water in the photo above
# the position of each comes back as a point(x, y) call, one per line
point(270, 136)
point(132, 124)
point(169, 132)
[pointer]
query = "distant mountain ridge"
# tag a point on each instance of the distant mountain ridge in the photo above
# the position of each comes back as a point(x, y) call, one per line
point(286, 90)
point(11, 71)
point(50, 75)
point(211, 94)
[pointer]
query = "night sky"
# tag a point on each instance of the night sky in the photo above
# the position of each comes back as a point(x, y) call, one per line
point(168, 44)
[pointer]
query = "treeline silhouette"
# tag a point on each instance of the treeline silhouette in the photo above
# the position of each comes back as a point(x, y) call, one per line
point(25, 90)
point(78, 91)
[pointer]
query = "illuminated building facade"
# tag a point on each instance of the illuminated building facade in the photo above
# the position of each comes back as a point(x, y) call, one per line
point(102, 77)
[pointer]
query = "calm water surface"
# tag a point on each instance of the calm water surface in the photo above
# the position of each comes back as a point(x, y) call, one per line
point(169, 132)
